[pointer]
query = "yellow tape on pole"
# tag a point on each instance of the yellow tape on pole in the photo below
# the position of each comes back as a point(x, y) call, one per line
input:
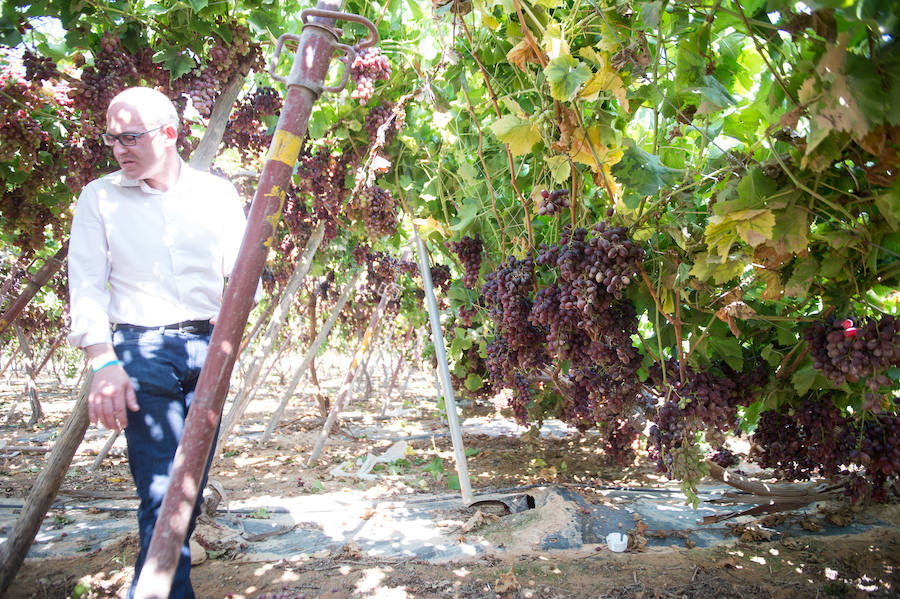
point(285, 147)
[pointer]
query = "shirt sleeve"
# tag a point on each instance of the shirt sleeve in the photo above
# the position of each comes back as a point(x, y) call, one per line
point(88, 266)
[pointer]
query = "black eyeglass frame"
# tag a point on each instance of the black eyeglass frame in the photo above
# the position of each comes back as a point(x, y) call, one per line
point(126, 139)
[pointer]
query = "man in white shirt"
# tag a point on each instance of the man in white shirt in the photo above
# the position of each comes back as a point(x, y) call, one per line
point(150, 248)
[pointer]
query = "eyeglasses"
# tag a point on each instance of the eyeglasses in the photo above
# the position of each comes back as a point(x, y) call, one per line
point(126, 139)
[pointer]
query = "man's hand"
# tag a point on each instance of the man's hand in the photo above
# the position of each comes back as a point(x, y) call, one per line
point(111, 392)
point(111, 389)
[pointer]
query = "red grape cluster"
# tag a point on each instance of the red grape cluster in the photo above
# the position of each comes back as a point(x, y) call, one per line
point(553, 202)
point(38, 68)
point(36, 161)
point(245, 130)
point(506, 294)
point(724, 457)
point(845, 353)
point(706, 401)
point(468, 250)
point(369, 66)
point(609, 258)
point(204, 82)
point(618, 445)
point(113, 69)
point(440, 277)
point(384, 122)
point(815, 437)
point(467, 315)
point(379, 210)
point(321, 174)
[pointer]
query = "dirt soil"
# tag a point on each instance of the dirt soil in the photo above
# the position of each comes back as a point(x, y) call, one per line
point(857, 565)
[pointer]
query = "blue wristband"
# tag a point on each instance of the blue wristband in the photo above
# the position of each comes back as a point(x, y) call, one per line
point(110, 363)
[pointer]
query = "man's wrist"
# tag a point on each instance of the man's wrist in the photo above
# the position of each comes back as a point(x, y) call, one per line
point(98, 365)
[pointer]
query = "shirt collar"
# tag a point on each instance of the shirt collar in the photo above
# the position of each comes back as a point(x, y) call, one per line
point(119, 178)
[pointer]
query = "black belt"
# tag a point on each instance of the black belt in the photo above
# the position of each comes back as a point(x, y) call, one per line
point(195, 327)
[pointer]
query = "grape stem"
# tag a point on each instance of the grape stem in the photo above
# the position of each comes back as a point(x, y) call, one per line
point(675, 322)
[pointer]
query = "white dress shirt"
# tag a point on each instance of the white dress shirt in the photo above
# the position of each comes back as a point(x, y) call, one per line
point(138, 255)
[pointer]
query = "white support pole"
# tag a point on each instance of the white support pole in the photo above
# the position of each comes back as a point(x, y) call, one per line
point(444, 371)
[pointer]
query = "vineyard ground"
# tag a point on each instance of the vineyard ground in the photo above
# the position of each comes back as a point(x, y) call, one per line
point(854, 554)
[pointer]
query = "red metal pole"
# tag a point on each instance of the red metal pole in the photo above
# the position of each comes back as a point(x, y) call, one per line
point(316, 46)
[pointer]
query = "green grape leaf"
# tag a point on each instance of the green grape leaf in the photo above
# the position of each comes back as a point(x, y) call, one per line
point(474, 382)
point(805, 270)
point(566, 75)
point(519, 133)
point(641, 173)
point(465, 215)
point(804, 377)
point(175, 60)
point(729, 349)
point(888, 204)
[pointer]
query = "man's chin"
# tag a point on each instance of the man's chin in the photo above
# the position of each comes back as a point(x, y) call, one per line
point(132, 171)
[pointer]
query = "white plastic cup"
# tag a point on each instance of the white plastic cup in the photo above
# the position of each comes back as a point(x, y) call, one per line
point(616, 541)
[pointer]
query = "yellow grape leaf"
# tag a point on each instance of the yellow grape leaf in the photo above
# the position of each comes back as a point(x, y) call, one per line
point(554, 42)
point(590, 54)
point(521, 54)
point(753, 226)
point(667, 299)
point(708, 267)
point(586, 145)
point(512, 106)
point(606, 79)
point(772, 280)
point(559, 166)
point(489, 21)
point(429, 225)
point(756, 226)
point(520, 134)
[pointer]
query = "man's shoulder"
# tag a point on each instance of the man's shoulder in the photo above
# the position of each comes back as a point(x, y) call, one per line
point(206, 178)
point(115, 178)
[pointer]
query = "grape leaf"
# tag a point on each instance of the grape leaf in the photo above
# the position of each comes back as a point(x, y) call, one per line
point(175, 60)
point(641, 173)
point(554, 42)
point(804, 378)
point(474, 382)
point(566, 75)
point(729, 349)
point(605, 79)
point(590, 147)
point(466, 215)
point(519, 133)
point(805, 270)
point(889, 205)
point(559, 166)
point(752, 226)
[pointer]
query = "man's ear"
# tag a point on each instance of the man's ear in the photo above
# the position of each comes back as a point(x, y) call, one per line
point(170, 131)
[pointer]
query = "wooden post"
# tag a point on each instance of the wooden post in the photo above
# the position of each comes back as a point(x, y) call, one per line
point(308, 358)
point(42, 494)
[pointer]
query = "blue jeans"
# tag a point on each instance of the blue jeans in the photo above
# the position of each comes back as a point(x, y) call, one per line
point(164, 366)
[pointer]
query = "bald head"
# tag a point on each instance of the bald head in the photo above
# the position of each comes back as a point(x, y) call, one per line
point(148, 120)
point(149, 105)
